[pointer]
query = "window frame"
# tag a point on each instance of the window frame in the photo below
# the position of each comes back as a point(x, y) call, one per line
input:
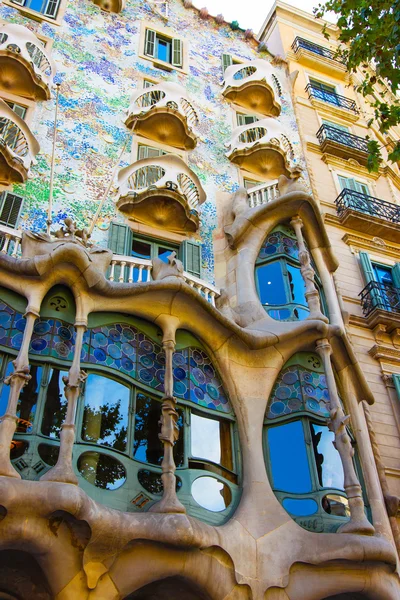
point(3, 197)
point(167, 34)
point(38, 16)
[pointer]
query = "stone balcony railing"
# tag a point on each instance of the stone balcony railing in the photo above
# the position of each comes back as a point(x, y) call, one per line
point(26, 67)
point(114, 6)
point(165, 114)
point(161, 192)
point(254, 86)
point(18, 146)
point(263, 148)
point(262, 194)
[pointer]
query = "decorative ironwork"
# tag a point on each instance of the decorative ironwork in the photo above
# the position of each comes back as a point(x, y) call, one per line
point(350, 199)
point(333, 134)
point(383, 296)
point(319, 93)
point(316, 49)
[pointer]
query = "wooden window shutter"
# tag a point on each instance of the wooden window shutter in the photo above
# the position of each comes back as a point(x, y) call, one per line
point(150, 43)
point(396, 381)
point(227, 61)
point(177, 52)
point(11, 207)
point(367, 268)
point(120, 239)
point(396, 275)
point(190, 253)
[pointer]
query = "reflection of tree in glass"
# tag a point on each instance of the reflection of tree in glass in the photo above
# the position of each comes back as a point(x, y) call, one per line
point(147, 445)
point(56, 405)
point(102, 423)
point(28, 399)
point(107, 474)
point(152, 482)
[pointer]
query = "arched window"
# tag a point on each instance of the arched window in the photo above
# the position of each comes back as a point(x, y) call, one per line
point(303, 465)
point(279, 281)
point(118, 452)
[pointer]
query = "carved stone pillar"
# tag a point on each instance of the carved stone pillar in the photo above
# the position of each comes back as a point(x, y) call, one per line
point(63, 470)
point(169, 429)
point(17, 380)
point(337, 423)
point(308, 274)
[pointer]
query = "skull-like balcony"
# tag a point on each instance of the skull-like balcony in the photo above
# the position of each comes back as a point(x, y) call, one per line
point(164, 114)
point(114, 6)
point(18, 147)
point(263, 148)
point(26, 68)
point(254, 86)
point(161, 192)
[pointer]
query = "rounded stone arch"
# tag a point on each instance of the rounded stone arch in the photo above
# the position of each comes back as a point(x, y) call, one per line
point(21, 577)
point(170, 587)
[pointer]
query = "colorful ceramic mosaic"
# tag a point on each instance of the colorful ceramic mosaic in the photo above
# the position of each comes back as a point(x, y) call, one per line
point(52, 337)
point(196, 379)
point(279, 242)
point(12, 325)
point(124, 348)
point(99, 65)
point(298, 389)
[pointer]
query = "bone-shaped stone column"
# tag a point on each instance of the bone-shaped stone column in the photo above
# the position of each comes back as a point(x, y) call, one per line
point(337, 424)
point(63, 470)
point(169, 429)
point(308, 273)
point(17, 380)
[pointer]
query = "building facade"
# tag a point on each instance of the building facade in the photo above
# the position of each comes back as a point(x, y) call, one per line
point(191, 398)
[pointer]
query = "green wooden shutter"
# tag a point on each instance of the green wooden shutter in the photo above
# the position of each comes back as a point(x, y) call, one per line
point(11, 207)
point(177, 52)
point(190, 253)
point(396, 275)
point(227, 61)
point(366, 266)
point(150, 43)
point(240, 119)
point(396, 381)
point(120, 242)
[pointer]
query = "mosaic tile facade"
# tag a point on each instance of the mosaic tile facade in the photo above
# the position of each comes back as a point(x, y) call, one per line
point(98, 64)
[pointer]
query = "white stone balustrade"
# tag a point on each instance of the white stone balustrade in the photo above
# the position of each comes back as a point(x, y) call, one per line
point(27, 68)
point(262, 194)
point(10, 241)
point(18, 146)
point(254, 85)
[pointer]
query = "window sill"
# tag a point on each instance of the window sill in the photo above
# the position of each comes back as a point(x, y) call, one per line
point(33, 14)
point(161, 64)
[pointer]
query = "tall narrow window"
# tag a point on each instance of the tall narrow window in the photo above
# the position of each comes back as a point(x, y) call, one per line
point(163, 48)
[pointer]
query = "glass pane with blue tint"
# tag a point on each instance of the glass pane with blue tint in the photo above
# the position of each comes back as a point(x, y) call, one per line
point(27, 402)
point(327, 459)
point(105, 416)
point(211, 440)
point(279, 314)
point(163, 50)
point(5, 390)
point(271, 284)
point(300, 507)
point(163, 253)
point(55, 407)
point(288, 457)
point(38, 5)
point(296, 284)
point(383, 274)
point(147, 446)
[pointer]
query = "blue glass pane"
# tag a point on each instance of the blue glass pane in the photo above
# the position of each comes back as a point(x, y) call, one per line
point(36, 5)
point(329, 465)
point(5, 390)
point(164, 50)
point(163, 253)
point(56, 404)
point(288, 456)
point(271, 284)
point(300, 507)
point(296, 283)
point(301, 313)
point(105, 417)
point(279, 313)
point(383, 274)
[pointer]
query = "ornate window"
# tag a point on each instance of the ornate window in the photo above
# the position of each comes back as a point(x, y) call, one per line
point(49, 8)
point(117, 446)
point(279, 281)
point(303, 465)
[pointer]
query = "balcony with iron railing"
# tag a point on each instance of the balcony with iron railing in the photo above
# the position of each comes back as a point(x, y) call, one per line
point(114, 6)
point(380, 303)
point(264, 149)
point(312, 54)
point(18, 147)
point(164, 113)
point(342, 143)
point(255, 86)
point(336, 100)
point(368, 214)
point(161, 192)
point(26, 67)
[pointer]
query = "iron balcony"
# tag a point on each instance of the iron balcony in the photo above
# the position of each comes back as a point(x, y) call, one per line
point(352, 200)
point(343, 144)
point(382, 296)
point(331, 98)
point(315, 49)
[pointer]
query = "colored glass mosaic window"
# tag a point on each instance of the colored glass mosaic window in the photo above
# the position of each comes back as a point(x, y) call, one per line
point(52, 337)
point(12, 325)
point(196, 379)
point(124, 348)
point(299, 389)
point(279, 242)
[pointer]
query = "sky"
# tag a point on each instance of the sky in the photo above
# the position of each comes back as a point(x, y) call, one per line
point(249, 13)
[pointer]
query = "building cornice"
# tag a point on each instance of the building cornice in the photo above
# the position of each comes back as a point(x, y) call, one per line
point(359, 242)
